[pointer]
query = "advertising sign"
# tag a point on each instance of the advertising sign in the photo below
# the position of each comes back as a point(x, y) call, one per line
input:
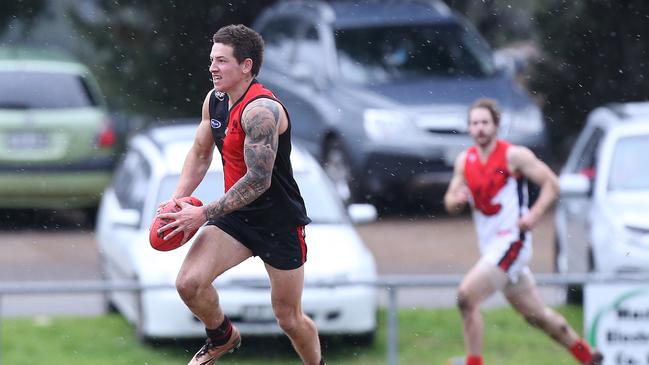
point(617, 322)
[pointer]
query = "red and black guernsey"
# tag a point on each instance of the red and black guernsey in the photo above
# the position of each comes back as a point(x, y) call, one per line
point(281, 207)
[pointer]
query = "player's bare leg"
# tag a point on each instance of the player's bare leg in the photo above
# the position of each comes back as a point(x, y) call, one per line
point(525, 298)
point(478, 284)
point(212, 253)
point(286, 297)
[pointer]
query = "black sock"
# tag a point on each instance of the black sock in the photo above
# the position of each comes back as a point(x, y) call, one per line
point(221, 334)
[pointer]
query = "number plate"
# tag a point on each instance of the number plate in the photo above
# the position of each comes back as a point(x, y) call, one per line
point(27, 141)
point(258, 313)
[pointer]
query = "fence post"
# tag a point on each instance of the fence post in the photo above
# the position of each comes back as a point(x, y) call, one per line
point(393, 326)
point(1, 297)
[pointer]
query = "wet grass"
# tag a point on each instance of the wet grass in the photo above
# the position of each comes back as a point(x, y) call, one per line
point(425, 337)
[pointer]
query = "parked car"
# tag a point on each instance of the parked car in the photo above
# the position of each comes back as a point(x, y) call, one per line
point(379, 90)
point(57, 143)
point(602, 218)
point(148, 175)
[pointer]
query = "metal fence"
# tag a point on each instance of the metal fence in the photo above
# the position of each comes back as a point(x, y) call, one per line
point(391, 284)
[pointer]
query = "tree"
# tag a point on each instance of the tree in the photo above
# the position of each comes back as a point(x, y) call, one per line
point(152, 57)
point(25, 10)
point(595, 52)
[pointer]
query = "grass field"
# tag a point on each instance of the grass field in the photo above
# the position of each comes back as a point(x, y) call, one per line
point(426, 337)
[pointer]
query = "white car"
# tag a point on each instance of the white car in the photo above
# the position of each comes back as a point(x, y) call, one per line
point(602, 218)
point(148, 175)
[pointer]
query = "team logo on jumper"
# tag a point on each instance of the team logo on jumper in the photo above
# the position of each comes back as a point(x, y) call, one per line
point(216, 124)
point(219, 95)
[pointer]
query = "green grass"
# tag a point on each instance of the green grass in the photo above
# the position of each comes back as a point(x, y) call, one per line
point(426, 337)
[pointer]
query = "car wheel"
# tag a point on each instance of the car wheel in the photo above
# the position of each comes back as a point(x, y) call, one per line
point(91, 215)
point(362, 339)
point(141, 316)
point(337, 167)
point(107, 302)
point(557, 251)
point(575, 292)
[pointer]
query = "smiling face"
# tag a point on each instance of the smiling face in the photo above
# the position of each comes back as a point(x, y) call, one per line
point(226, 72)
point(482, 127)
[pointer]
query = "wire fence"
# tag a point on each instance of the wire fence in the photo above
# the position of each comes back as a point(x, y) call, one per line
point(391, 284)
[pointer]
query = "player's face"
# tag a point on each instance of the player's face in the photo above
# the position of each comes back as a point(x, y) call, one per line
point(482, 127)
point(226, 72)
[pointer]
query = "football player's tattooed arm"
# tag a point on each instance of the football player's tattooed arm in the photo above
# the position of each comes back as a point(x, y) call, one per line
point(260, 122)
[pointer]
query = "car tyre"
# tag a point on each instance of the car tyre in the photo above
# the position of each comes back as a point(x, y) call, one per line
point(337, 166)
point(574, 292)
point(108, 305)
point(364, 339)
point(141, 336)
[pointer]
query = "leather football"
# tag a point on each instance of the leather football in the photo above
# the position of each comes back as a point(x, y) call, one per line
point(157, 240)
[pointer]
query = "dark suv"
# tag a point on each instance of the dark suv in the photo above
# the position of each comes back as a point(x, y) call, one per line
point(379, 91)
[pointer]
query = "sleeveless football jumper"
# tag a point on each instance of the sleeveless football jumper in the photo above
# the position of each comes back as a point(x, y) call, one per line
point(499, 199)
point(272, 226)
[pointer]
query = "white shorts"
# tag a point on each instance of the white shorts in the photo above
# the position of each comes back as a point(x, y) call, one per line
point(512, 257)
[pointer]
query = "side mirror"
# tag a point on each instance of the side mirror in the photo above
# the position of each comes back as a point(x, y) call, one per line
point(127, 218)
point(574, 185)
point(362, 213)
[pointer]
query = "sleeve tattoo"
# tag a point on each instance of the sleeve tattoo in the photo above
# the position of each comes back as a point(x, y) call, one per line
point(260, 122)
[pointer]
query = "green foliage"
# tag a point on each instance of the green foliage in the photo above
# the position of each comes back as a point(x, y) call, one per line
point(26, 10)
point(594, 52)
point(425, 337)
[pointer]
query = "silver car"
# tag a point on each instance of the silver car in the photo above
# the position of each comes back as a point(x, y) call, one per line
point(379, 91)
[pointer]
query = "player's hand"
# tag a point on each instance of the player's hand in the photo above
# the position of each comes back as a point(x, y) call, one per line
point(186, 220)
point(528, 221)
point(462, 194)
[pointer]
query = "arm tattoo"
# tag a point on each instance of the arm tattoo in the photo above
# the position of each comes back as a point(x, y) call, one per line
point(260, 121)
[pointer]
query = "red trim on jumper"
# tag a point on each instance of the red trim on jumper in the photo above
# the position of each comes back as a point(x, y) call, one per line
point(301, 235)
point(511, 255)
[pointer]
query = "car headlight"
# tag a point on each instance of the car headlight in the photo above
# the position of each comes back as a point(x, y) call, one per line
point(384, 125)
point(528, 120)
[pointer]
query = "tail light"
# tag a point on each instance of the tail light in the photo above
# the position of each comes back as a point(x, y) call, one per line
point(106, 137)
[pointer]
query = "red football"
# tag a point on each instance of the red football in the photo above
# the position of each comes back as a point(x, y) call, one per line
point(157, 240)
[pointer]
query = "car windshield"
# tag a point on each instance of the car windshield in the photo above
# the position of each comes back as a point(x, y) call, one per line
point(396, 53)
point(628, 171)
point(43, 90)
point(321, 204)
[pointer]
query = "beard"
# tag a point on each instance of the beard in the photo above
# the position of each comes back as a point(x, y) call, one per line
point(484, 140)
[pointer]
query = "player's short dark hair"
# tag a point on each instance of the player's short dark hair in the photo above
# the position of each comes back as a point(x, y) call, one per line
point(245, 43)
point(491, 105)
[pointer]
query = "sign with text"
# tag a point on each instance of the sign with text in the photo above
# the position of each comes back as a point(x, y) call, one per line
point(616, 319)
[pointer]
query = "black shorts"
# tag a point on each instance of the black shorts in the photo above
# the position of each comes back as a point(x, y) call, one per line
point(283, 250)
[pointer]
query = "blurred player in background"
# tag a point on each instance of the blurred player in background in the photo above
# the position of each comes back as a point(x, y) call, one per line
point(492, 175)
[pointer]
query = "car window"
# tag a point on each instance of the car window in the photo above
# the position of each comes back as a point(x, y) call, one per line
point(131, 181)
point(321, 203)
point(309, 49)
point(628, 171)
point(587, 161)
point(279, 38)
point(385, 54)
point(44, 90)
